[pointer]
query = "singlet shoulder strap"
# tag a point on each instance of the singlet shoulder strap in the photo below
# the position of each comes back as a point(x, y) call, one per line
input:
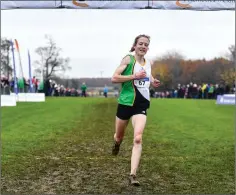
point(132, 59)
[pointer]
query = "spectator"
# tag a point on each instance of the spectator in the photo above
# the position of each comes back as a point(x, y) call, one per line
point(83, 89)
point(194, 91)
point(211, 91)
point(105, 91)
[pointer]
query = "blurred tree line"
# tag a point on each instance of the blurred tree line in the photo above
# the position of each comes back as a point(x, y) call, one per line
point(171, 68)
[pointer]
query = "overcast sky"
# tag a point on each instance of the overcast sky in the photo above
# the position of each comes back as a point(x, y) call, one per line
point(97, 40)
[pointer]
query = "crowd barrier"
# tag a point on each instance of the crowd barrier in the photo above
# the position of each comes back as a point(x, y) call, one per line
point(12, 99)
point(8, 100)
point(29, 97)
point(226, 99)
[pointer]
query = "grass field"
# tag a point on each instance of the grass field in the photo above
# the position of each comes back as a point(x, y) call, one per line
point(63, 146)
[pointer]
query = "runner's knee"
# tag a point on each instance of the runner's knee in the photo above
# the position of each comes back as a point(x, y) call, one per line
point(118, 137)
point(138, 139)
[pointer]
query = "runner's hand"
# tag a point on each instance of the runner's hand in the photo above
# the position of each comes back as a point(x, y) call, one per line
point(156, 83)
point(139, 75)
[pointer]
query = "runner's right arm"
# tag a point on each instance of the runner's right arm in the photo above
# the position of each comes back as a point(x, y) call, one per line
point(118, 78)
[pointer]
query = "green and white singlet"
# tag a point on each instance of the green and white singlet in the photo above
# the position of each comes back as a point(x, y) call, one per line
point(136, 92)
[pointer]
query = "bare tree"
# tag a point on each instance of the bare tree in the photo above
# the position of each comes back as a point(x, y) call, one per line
point(172, 55)
point(232, 53)
point(5, 57)
point(75, 83)
point(50, 61)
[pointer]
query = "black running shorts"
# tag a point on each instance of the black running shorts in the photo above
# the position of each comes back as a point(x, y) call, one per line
point(126, 112)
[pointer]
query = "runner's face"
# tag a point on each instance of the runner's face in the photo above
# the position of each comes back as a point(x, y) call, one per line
point(141, 47)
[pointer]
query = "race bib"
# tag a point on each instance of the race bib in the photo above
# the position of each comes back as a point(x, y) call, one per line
point(142, 83)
